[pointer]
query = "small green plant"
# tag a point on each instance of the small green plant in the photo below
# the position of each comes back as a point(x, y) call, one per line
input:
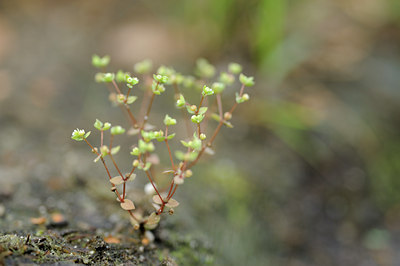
point(122, 86)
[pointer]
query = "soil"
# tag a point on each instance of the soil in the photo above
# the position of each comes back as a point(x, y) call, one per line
point(58, 222)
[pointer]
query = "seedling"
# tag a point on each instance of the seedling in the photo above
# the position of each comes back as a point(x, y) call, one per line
point(122, 86)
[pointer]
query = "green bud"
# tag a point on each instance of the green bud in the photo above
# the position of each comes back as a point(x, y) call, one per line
point(204, 69)
point(121, 98)
point(207, 91)
point(104, 150)
point(169, 121)
point(106, 126)
point(98, 124)
point(227, 115)
point(143, 67)
point(165, 71)
point(158, 134)
point(243, 98)
point(176, 78)
point(121, 76)
point(108, 77)
point(142, 146)
point(100, 62)
point(188, 81)
point(160, 78)
point(181, 101)
point(247, 81)
point(99, 77)
point(203, 136)
point(196, 143)
point(117, 130)
point(79, 134)
point(218, 87)
point(150, 147)
point(135, 151)
point(135, 163)
point(235, 68)
point(157, 88)
point(226, 78)
point(197, 118)
point(132, 80)
point(145, 147)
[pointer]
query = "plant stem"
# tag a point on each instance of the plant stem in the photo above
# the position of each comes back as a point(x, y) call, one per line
point(173, 192)
point(116, 87)
point(169, 150)
point(105, 166)
point(152, 183)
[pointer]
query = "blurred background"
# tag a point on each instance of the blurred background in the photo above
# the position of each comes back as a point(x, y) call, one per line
point(309, 175)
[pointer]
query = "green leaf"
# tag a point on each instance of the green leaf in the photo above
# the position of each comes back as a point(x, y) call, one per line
point(115, 150)
point(191, 156)
point(142, 146)
point(121, 76)
point(171, 136)
point(147, 166)
point(143, 67)
point(215, 117)
point(180, 155)
point(186, 144)
point(106, 126)
point(160, 138)
point(117, 130)
point(218, 87)
point(100, 62)
point(98, 124)
point(165, 71)
point(235, 68)
point(99, 77)
point(226, 78)
point(190, 109)
point(135, 151)
point(108, 77)
point(87, 135)
point(104, 150)
point(204, 69)
point(131, 99)
point(247, 81)
point(202, 110)
point(153, 219)
point(169, 121)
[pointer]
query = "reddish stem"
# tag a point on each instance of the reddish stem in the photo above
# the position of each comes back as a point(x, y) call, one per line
point(152, 183)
